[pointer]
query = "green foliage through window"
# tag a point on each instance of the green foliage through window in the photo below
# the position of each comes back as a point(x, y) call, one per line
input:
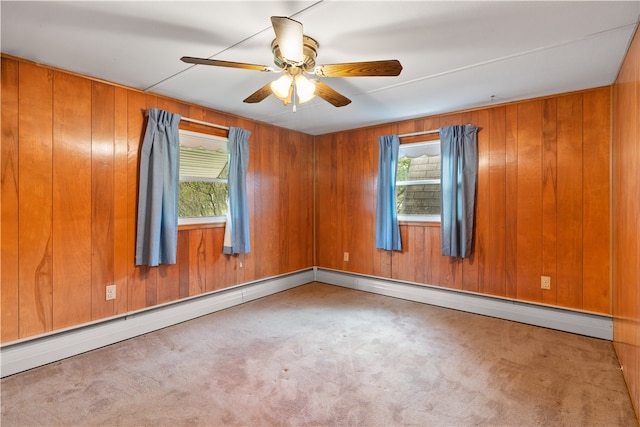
point(200, 199)
point(403, 169)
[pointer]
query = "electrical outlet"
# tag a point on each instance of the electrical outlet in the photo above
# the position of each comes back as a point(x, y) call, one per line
point(346, 256)
point(111, 292)
point(545, 282)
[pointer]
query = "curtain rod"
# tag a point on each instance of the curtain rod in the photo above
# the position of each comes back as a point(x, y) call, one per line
point(424, 132)
point(200, 122)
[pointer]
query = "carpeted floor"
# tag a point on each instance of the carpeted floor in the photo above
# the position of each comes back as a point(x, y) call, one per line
point(328, 356)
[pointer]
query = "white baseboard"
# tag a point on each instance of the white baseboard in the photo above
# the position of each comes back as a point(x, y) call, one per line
point(31, 353)
point(34, 352)
point(577, 322)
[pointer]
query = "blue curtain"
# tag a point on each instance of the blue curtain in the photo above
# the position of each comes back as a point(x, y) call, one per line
point(459, 171)
point(387, 228)
point(237, 229)
point(157, 232)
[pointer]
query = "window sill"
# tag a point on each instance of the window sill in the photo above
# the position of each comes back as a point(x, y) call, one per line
point(430, 220)
point(183, 227)
point(420, 223)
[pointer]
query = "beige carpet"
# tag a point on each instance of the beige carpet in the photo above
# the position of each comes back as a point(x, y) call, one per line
point(328, 356)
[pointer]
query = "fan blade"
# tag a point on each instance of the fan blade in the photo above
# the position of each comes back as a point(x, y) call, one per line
point(330, 95)
point(217, 63)
point(259, 95)
point(289, 38)
point(356, 69)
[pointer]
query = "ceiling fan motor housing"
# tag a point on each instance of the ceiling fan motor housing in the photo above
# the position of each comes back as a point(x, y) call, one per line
point(309, 49)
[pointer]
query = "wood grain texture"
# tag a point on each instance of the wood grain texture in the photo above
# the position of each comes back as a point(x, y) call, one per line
point(295, 227)
point(596, 193)
point(168, 282)
point(495, 282)
point(183, 258)
point(626, 219)
point(102, 196)
point(353, 210)
point(197, 266)
point(221, 269)
point(9, 202)
point(529, 201)
point(550, 198)
point(326, 200)
point(266, 205)
point(95, 131)
point(287, 153)
point(511, 195)
point(570, 200)
point(35, 158)
point(405, 265)
point(121, 258)
point(71, 200)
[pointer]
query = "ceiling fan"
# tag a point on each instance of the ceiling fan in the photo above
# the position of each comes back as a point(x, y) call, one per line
point(295, 55)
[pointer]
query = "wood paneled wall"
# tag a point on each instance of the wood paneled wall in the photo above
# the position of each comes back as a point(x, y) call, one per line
point(626, 219)
point(69, 166)
point(543, 204)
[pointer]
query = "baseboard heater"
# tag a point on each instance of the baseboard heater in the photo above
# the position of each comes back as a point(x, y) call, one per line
point(577, 322)
point(37, 351)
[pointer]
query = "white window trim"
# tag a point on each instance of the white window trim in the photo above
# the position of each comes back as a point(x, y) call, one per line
point(198, 179)
point(418, 182)
point(202, 220)
point(418, 218)
point(204, 136)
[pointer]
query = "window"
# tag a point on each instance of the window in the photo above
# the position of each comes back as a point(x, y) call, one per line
point(418, 182)
point(204, 193)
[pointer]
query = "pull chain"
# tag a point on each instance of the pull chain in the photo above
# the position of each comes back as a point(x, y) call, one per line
point(294, 98)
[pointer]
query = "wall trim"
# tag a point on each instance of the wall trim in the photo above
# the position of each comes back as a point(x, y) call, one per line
point(34, 352)
point(37, 351)
point(577, 322)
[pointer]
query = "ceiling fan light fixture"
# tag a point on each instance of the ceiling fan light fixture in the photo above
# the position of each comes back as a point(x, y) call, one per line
point(281, 87)
point(295, 54)
point(305, 89)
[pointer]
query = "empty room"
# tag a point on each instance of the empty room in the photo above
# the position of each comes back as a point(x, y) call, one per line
point(367, 213)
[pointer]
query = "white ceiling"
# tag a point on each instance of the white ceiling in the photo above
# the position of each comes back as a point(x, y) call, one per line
point(456, 55)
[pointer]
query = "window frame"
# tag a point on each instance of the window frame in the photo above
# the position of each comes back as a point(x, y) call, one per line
point(204, 220)
point(426, 218)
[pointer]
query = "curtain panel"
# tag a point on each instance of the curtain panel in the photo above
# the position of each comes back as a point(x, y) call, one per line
point(236, 238)
point(459, 171)
point(157, 228)
point(387, 227)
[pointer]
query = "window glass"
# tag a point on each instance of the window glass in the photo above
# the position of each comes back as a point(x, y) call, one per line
point(204, 194)
point(418, 182)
